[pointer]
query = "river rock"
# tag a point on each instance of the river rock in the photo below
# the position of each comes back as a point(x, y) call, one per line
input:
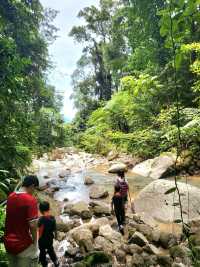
point(88, 180)
point(98, 192)
point(117, 167)
point(161, 206)
point(120, 255)
point(65, 227)
point(155, 168)
point(139, 239)
point(111, 235)
point(101, 209)
point(81, 209)
point(83, 237)
point(101, 243)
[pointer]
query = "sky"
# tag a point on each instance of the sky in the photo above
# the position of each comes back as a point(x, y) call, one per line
point(64, 52)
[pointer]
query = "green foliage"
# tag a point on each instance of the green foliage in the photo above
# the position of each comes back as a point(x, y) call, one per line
point(25, 96)
point(3, 257)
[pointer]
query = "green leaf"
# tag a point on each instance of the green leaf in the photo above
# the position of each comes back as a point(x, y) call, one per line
point(171, 190)
point(4, 171)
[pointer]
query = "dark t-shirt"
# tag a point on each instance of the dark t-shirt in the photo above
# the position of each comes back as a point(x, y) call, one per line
point(118, 202)
point(47, 228)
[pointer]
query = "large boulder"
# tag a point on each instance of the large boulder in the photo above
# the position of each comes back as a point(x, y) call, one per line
point(83, 237)
point(65, 227)
point(155, 168)
point(117, 167)
point(163, 206)
point(98, 192)
point(100, 209)
point(107, 232)
point(81, 209)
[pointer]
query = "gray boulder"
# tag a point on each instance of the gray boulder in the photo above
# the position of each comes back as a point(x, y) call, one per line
point(161, 206)
point(100, 209)
point(81, 209)
point(155, 168)
point(98, 192)
point(117, 167)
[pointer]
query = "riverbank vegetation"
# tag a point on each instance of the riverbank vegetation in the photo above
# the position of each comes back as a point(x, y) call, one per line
point(124, 86)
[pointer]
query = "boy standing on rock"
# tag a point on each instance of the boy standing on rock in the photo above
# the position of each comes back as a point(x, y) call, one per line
point(118, 207)
point(47, 230)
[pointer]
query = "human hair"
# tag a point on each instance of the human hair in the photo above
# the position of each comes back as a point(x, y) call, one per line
point(121, 174)
point(30, 180)
point(117, 188)
point(44, 206)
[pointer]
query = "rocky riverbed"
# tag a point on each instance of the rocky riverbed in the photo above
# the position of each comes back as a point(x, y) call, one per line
point(79, 188)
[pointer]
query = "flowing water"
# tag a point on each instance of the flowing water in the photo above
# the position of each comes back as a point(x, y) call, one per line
point(72, 186)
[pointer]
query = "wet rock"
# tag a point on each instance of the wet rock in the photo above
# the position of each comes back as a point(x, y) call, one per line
point(88, 180)
point(108, 233)
point(83, 238)
point(161, 206)
point(139, 239)
point(81, 209)
point(98, 192)
point(101, 209)
point(96, 224)
point(155, 168)
point(66, 227)
point(117, 167)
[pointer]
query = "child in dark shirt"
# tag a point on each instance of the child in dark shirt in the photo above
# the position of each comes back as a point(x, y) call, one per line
point(119, 208)
point(47, 231)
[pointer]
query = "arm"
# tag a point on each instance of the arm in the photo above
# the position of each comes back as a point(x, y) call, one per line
point(33, 230)
point(32, 217)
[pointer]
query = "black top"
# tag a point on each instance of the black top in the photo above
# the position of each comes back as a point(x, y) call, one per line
point(118, 202)
point(47, 227)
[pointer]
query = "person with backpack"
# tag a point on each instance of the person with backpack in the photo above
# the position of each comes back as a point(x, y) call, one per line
point(123, 184)
point(118, 207)
point(20, 238)
point(47, 232)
